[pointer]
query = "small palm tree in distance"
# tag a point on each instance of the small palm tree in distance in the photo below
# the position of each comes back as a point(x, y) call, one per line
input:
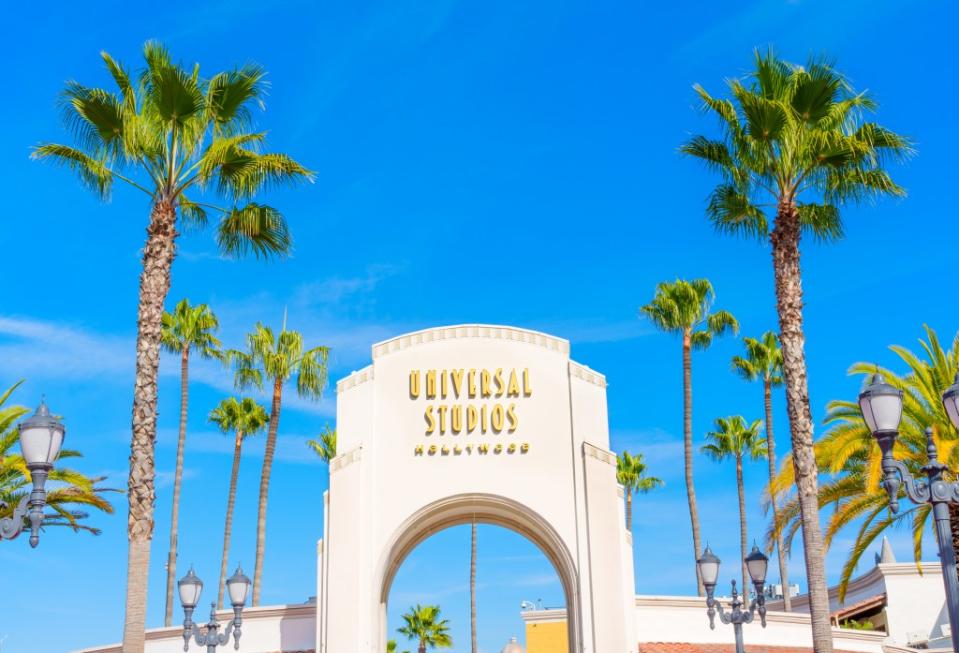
point(631, 474)
point(422, 624)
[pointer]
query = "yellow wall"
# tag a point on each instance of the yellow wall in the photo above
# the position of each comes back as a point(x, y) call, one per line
point(546, 637)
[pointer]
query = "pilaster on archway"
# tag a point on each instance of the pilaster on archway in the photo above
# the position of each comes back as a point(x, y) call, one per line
point(490, 422)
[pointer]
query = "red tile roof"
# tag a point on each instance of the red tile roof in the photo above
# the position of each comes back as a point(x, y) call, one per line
point(685, 647)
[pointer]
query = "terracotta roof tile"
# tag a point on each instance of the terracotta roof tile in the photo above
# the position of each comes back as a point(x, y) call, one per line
point(685, 647)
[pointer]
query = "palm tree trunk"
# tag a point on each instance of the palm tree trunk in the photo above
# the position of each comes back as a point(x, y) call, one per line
point(422, 648)
point(158, 256)
point(789, 303)
point(474, 648)
point(740, 487)
point(771, 447)
point(688, 452)
point(228, 527)
point(629, 511)
point(177, 481)
point(265, 488)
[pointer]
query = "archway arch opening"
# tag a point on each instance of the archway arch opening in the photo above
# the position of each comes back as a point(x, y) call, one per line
point(508, 526)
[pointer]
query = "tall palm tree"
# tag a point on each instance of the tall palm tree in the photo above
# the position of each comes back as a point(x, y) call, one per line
point(183, 140)
point(685, 308)
point(847, 453)
point(325, 446)
point(631, 474)
point(423, 625)
point(187, 328)
point(795, 142)
point(244, 418)
point(275, 359)
point(734, 439)
point(764, 362)
point(68, 492)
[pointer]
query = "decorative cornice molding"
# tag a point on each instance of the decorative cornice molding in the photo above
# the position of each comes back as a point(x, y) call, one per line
point(544, 616)
point(346, 459)
point(488, 331)
point(592, 451)
point(355, 379)
point(580, 371)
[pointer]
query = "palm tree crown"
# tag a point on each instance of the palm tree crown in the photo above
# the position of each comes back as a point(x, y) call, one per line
point(177, 136)
point(191, 328)
point(685, 307)
point(244, 416)
point(794, 135)
point(631, 474)
point(325, 446)
point(423, 624)
point(277, 359)
point(848, 454)
point(763, 360)
point(733, 438)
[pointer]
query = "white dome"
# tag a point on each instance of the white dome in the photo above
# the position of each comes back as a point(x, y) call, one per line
point(512, 647)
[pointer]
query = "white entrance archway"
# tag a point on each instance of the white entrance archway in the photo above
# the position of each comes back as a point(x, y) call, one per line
point(485, 422)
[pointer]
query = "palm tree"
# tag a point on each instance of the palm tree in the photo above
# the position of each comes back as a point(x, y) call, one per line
point(847, 453)
point(734, 439)
point(764, 362)
point(275, 359)
point(391, 646)
point(244, 417)
point(684, 307)
point(187, 328)
point(69, 490)
point(177, 137)
point(423, 625)
point(795, 142)
point(325, 446)
point(631, 474)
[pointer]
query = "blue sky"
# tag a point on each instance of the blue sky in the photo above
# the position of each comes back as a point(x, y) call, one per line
point(477, 162)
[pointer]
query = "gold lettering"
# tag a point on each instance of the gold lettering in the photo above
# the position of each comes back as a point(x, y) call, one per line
point(498, 449)
point(418, 450)
point(511, 448)
point(431, 384)
point(527, 388)
point(483, 421)
point(430, 420)
point(496, 418)
point(513, 389)
point(414, 384)
point(500, 384)
point(456, 419)
point(511, 416)
point(432, 449)
point(524, 447)
point(457, 377)
point(442, 411)
point(483, 448)
point(445, 450)
point(457, 449)
point(471, 383)
point(471, 416)
point(469, 448)
point(484, 384)
point(443, 384)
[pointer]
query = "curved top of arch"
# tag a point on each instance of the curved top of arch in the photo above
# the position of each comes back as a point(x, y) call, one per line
point(484, 509)
point(460, 331)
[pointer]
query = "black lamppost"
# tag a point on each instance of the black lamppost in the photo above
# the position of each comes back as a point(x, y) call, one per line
point(190, 586)
point(881, 405)
point(756, 563)
point(41, 436)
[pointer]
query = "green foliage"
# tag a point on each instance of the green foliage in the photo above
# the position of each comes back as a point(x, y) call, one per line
point(278, 359)
point(686, 307)
point(631, 474)
point(243, 416)
point(794, 136)
point(763, 360)
point(68, 491)
point(325, 446)
point(733, 438)
point(848, 454)
point(191, 328)
point(391, 646)
point(176, 136)
point(423, 625)
point(854, 624)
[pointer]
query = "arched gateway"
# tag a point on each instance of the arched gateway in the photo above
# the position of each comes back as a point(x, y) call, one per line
point(458, 423)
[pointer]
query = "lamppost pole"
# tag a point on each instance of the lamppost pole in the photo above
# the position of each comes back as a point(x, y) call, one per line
point(881, 406)
point(41, 436)
point(757, 564)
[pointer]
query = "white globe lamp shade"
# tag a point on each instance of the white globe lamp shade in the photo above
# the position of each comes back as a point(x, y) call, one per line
point(190, 587)
point(757, 564)
point(41, 436)
point(708, 567)
point(881, 405)
point(238, 586)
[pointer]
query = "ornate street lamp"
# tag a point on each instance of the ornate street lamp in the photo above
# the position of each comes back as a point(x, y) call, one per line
point(190, 587)
point(41, 436)
point(757, 564)
point(881, 406)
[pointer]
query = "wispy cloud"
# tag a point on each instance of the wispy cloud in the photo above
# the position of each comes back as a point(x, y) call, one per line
point(596, 330)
